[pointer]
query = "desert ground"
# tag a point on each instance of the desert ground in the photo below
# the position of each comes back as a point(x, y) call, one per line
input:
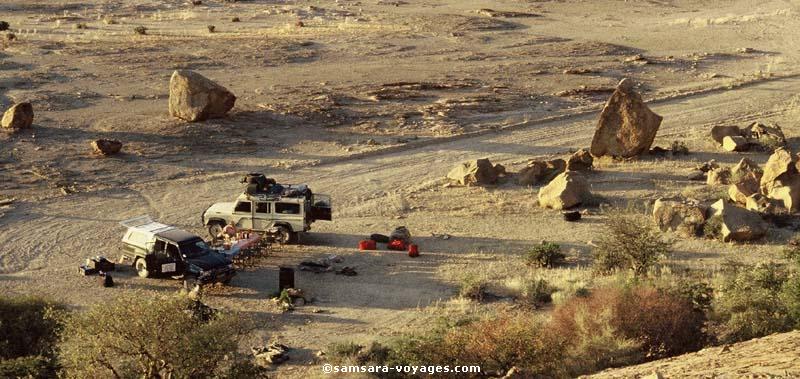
point(372, 102)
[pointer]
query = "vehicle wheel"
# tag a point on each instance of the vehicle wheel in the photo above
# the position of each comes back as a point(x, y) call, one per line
point(285, 235)
point(215, 229)
point(141, 268)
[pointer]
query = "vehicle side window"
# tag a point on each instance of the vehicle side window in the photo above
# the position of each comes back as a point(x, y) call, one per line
point(172, 251)
point(242, 207)
point(159, 246)
point(262, 208)
point(287, 208)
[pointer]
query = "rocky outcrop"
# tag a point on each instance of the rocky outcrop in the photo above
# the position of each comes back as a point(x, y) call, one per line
point(193, 97)
point(106, 147)
point(566, 190)
point(679, 215)
point(477, 172)
point(538, 172)
point(769, 136)
point(627, 127)
point(582, 160)
point(738, 224)
point(19, 116)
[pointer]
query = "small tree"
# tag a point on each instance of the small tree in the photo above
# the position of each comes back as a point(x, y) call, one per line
point(151, 336)
point(629, 242)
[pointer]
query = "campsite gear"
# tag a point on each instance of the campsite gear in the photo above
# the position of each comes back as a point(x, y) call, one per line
point(380, 238)
point(108, 281)
point(347, 271)
point(86, 270)
point(367, 245)
point(413, 250)
point(100, 263)
point(396, 244)
point(401, 233)
point(572, 216)
point(285, 278)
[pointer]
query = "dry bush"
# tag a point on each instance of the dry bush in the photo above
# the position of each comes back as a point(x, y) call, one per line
point(497, 344)
point(152, 336)
point(629, 241)
point(617, 326)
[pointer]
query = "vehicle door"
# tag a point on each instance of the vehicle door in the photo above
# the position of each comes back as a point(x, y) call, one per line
point(243, 214)
point(158, 257)
point(174, 264)
point(262, 216)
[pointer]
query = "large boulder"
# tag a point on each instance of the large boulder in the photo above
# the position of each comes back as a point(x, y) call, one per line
point(719, 132)
point(742, 189)
point(582, 160)
point(19, 116)
point(679, 215)
point(786, 192)
point(193, 97)
point(566, 190)
point(780, 166)
point(537, 172)
point(477, 172)
point(738, 224)
point(626, 127)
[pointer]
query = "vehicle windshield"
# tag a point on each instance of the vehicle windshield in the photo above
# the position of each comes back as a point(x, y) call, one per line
point(194, 249)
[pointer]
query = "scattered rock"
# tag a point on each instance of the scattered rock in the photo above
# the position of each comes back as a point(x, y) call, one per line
point(140, 30)
point(580, 161)
point(235, 19)
point(719, 176)
point(738, 224)
point(626, 127)
point(537, 172)
point(679, 215)
point(193, 97)
point(566, 190)
point(19, 116)
point(742, 189)
point(735, 143)
point(780, 165)
point(719, 132)
point(212, 28)
point(759, 203)
point(106, 147)
point(4, 26)
point(708, 166)
point(299, 24)
point(744, 169)
point(786, 191)
point(477, 172)
point(275, 353)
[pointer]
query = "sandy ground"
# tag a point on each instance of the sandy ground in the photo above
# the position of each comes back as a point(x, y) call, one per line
point(431, 83)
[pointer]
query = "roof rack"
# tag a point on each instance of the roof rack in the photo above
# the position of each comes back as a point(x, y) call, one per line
point(145, 223)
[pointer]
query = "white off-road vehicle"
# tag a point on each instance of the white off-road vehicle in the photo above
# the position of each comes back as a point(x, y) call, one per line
point(266, 205)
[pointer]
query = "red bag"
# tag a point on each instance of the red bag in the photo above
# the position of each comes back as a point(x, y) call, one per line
point(396, 245)
point(413, 250)
point(367, 245)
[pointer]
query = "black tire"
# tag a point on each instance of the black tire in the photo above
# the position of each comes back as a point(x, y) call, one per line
point(215, 228)
point(141, 268)
point(286, 236)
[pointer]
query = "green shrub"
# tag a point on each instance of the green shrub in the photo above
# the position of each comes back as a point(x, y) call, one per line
point(31, 367)
point(629, 242)
point(28, 326)
point(749, 303)
point(537, 292)
point(546, 254)
point(473, 287)
point(147, 335)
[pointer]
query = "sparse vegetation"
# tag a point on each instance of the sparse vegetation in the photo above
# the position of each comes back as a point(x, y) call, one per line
point(473, 287)
point(629, 242)
point(211, 28)
point(712, 229)
point(4, 25)
point(141, 30)
point(29, 329)
point(546, 254)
